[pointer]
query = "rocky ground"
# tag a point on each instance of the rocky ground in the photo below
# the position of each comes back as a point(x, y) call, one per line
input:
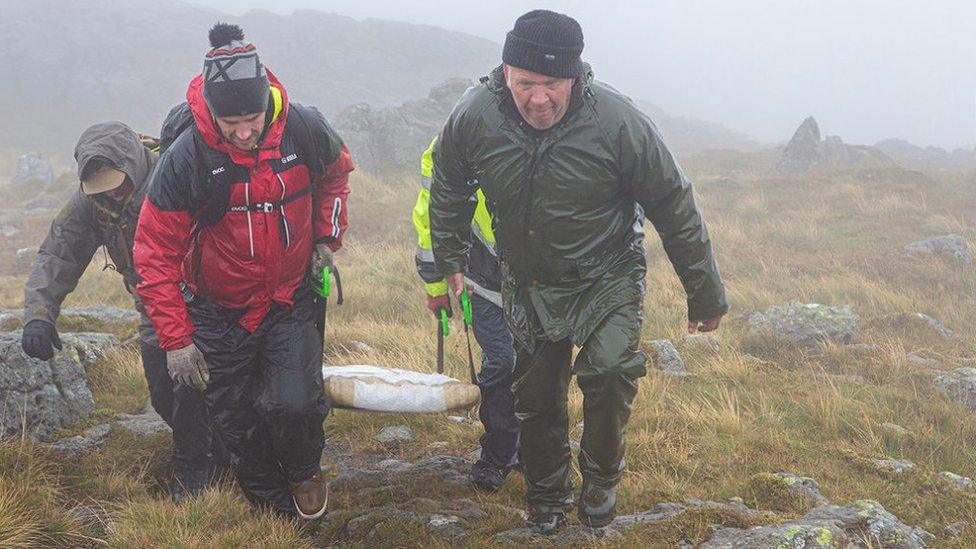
point(835, 407)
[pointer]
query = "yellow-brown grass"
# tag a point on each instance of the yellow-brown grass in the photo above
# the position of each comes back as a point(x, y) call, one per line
point(833, 238)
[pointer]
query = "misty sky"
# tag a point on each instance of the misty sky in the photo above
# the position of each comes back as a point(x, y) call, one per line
point(866, 69)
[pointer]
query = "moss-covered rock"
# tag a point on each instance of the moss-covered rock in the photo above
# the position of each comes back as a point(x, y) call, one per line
point(784, 493)
point(806, 324)
point(864, 524)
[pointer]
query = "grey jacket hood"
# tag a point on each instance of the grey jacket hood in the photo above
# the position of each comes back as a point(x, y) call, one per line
point(117, 144)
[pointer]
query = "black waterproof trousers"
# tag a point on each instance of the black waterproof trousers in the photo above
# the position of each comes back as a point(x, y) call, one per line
point(607, 368)
point(499, 444)
point(265, 395)
point(196, 452)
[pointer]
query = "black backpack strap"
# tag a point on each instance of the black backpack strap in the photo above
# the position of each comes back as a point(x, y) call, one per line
point(268, 207)
point(317, 142)
point(178, 120)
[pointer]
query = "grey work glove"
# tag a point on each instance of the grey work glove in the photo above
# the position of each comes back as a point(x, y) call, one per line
point(321, 258)
point(187, 367)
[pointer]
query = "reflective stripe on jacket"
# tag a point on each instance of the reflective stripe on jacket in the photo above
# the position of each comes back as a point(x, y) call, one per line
point(482, 275)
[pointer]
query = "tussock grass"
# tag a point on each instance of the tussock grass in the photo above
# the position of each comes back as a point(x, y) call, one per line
point(217, 518)
point(118, 382)
point(32, 503)
point(755, 406)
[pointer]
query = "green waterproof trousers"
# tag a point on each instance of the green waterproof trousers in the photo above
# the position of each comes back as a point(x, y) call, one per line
point(607, 367)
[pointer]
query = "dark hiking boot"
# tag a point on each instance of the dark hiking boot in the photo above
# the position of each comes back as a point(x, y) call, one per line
point(597, 506)
point(546, 523)
point(487, 478)
point(187, 484)
point(311, 497)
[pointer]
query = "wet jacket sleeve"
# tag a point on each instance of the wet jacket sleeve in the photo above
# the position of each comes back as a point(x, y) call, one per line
point(331, 217)
point(161, 243)
point(331, 180)
point(451, 204)
point(658, 185)
point(61, 260)
point(435, 284)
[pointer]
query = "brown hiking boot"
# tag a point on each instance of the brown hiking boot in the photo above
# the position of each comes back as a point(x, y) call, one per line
point(311, 497)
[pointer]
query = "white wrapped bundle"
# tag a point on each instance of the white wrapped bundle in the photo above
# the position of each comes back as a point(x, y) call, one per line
point(378, 389)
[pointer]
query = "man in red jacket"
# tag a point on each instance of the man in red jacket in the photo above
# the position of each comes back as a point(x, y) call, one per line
point(247, 201)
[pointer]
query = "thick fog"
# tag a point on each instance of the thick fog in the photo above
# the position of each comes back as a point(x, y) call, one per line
point(867, 69)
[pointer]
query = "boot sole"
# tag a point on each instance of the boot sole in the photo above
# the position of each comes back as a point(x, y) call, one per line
point(314, 516)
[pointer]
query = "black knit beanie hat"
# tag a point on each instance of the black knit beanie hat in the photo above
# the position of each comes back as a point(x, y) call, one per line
point(234, 80)
point(546, 42)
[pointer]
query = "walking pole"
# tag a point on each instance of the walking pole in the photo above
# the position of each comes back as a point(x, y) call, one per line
point(468, 318)
point(322, 300)
point(443, 330)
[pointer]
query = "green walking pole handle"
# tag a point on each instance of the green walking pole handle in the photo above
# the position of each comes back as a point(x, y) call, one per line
point(445, 326)
point(326, 289)
point(466, 307)
point(441, 334)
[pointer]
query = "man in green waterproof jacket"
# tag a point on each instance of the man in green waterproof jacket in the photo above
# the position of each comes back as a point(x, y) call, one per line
point(571, 168)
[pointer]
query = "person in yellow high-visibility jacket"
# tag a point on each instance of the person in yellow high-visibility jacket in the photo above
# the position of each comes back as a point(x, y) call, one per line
point(499, 444)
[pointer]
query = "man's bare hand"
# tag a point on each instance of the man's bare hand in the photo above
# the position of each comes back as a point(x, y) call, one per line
point(456, 283)
point(709, 325)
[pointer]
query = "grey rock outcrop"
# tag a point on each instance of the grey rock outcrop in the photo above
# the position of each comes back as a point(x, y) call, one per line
point(937, 326)
point(391, 139)
point(360, 347)
point(92, 438)
point(865, 524)
point(43, 396)
point(908, 154)
point(701, 341)
point(33, 173)
point(668, 360)
point(806, 152)
point(951, 246)
point(803, 151)
point(394, 474)
point(112, 316)
point(661, 511)
point(806, 324)
point(959, 385)
point(786, 491)
point(98, 317)
point(395, 436)
point(897, 466)
point(965, 484)
point(922, 361)
point(954, 530)
point(147, 424)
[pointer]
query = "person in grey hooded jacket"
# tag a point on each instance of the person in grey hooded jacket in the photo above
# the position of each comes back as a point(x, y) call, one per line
point(114, 165)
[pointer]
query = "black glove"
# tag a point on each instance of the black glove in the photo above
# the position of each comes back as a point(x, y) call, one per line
point(39, 336)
